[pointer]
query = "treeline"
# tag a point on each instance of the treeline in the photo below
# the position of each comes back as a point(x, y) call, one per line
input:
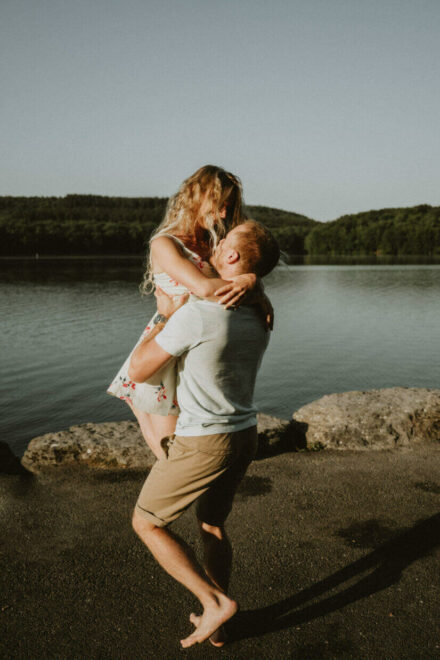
point(77, 224)
point(92, 224)
point(290, 229)
point(400, 231)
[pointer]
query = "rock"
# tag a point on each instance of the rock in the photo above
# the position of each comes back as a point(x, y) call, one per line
point(111, 445)
point(376, 419)
point(117, 445)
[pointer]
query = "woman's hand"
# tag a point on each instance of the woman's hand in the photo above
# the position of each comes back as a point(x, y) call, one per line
point(231, 294)
point(266, 310)
point(166, 304)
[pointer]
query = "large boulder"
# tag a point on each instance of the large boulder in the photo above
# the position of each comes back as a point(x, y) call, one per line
point(376, 419)
point(116, 445)
point(111, 445)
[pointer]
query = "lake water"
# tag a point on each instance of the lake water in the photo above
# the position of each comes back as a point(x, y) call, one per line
point(67, 325)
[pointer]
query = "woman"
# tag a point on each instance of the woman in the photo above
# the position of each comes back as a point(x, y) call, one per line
point(207, 205)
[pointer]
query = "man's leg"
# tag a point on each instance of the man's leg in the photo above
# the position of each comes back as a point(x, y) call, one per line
point(178, 560)
point(217, 562)
point(217, 554)
point(215, 505)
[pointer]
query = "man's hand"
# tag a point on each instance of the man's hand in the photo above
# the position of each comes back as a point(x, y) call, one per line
point(166, 304)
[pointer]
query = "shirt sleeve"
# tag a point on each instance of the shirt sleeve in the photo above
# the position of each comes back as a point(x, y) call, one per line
point(182, 332)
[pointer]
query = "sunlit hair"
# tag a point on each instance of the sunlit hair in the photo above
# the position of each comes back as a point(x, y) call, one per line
point(214, 188)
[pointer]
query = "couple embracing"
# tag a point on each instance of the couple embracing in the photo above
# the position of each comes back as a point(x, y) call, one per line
point(190, 381)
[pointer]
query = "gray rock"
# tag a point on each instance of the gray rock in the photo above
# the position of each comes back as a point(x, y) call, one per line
point(112, 445)
point(376, 419)
point(116, 445)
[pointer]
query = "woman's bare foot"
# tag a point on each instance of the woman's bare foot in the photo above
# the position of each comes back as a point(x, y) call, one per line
point(213, 617)
point(218, 637)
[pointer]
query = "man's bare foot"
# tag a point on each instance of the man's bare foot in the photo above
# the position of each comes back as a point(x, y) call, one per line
point(212, 618)
point(218, 637)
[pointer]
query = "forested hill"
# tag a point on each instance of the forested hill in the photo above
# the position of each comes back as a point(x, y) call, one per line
point(92, 224)
point(290, 229)
point(396, 231)
point(77, 224)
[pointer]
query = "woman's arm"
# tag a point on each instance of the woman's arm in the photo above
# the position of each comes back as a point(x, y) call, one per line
point(167, 257)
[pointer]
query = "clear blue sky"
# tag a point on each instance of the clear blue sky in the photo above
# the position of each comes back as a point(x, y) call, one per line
point(322, 107)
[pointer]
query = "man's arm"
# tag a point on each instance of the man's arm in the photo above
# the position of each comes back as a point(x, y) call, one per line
point(149, 357)
point(167, 257)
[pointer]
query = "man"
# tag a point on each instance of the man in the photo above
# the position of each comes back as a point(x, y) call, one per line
point(216, 435)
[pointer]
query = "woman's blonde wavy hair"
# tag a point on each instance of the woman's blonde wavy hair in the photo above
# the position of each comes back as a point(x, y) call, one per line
point(213, 187)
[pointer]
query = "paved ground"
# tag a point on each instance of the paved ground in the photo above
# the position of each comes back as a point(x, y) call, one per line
point(336, 556)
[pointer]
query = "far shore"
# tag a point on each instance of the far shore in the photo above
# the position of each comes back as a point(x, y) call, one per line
point(291, 259)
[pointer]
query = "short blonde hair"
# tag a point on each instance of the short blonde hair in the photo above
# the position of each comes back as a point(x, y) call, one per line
point(258, 248)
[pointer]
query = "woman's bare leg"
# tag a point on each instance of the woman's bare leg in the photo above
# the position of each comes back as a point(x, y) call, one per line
point(154, 428)
point(161, 427)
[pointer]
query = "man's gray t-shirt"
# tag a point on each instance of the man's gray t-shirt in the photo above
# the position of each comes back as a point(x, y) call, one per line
point(221, 351)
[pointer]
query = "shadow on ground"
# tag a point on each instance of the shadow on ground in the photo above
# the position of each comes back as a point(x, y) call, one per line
point(290, 436)
point(385, 565)
point(9, 463)
point(252, 486)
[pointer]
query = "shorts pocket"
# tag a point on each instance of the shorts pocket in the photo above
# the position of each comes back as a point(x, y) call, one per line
point(176, 448)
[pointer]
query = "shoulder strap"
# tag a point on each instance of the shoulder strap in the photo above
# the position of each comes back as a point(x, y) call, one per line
point(173, 237)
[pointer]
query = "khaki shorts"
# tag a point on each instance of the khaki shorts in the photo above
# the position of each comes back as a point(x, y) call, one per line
point(207, 468)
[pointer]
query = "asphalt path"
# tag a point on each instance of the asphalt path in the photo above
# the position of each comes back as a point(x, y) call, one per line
point(336, 556)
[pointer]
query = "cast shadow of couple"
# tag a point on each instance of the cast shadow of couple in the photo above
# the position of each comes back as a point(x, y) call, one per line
point(383, 567)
